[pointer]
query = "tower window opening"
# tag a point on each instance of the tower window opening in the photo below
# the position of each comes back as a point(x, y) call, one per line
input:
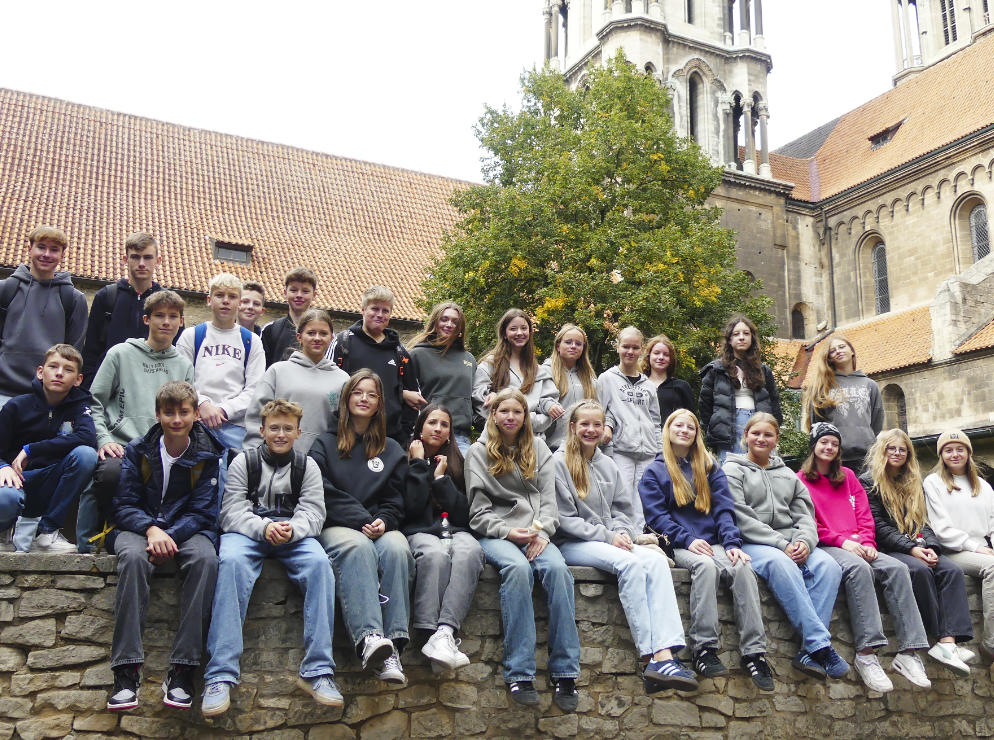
point(948, 10)
point(979, 232)
point(880, 288)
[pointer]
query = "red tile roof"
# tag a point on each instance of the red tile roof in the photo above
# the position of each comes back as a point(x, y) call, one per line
point(983, 338)
point(100, 175)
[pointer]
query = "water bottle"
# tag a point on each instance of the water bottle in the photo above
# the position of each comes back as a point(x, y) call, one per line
point(446, 534)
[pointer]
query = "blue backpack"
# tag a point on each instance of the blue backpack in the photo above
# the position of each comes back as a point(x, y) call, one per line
point(200, 333)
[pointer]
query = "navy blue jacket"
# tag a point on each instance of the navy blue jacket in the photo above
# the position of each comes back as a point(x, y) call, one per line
point(51, 432)
point(183, 511)
point(109, 325)
point(684, 524)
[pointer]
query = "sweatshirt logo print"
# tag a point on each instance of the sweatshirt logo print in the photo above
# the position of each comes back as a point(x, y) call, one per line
point(222, 350)
point(376, 465)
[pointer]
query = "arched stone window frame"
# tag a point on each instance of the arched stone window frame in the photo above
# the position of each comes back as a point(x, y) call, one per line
point(874, 292)
point(895, 407)
point(966, 235)
point(802, 320)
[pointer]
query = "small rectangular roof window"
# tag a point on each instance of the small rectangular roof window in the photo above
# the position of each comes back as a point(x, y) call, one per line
point(231, 251)
point(879, 139)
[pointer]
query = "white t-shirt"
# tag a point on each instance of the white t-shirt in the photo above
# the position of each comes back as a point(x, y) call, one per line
point(168, 461)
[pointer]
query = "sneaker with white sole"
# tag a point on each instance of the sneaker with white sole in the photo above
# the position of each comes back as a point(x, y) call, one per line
point(965, 655)
point(177, 689)
point(910, 666)
point(869, 669)
point(7, 540)
point(443, 650)
point(323, 690)
point(51, 542)
point(392, 671)
point(945, 653)
point(217, 699)
point(124, 695)
point(375, 649)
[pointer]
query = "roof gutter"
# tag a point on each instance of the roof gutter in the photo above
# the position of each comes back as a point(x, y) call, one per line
point(831, 265)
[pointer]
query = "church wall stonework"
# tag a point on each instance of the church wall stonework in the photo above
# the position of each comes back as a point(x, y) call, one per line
point(56, 620)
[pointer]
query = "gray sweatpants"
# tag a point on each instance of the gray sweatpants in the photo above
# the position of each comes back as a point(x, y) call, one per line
point(197, 561)
point(980, 566)
point(741, 579)
point(443, 591)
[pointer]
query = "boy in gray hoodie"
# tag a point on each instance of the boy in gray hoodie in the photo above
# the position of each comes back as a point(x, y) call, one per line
point(124, 401)
point(39, 308)
point(273, 505)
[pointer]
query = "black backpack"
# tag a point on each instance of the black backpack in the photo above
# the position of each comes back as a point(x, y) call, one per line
point(253, 468)
point(8, 289)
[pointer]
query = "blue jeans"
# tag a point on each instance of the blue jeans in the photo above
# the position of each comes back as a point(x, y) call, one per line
point(49, 492)
point(232, 436)
point(365, 569)
point(806, 593)
point(741, 417)
point(645, 588)
point(462, 442)
point(241, 562)
point(517, 579)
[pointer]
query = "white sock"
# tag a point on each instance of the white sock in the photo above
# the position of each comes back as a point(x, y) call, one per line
point(446, 629)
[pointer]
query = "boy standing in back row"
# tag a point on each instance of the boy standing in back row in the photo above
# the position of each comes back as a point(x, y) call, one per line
point(280, 337)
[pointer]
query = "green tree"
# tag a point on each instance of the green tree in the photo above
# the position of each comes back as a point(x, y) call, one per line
point(593, 211)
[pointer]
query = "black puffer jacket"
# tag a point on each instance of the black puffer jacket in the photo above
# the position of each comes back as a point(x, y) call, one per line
point(889, 537)
point(717, 402)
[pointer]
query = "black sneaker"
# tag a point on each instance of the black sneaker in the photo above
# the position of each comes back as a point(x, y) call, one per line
point(177, 689)
point(707, 664)
point(124, 695)
point(758, 670)
point(523, 692)
point(566, 696)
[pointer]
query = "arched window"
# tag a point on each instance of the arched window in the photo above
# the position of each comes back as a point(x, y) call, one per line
point(895, 407)
point(979, 232)
point(881, 292)
point(947, 8)
point(796, 324)
point(695, 107)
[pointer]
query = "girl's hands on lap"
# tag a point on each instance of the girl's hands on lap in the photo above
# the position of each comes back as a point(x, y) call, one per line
point(521, 535)
point(555, 411)
point(926, 555)
point(535, 548)
point(375, 529)
point(622, 540)
point(701, 547)
point(798, 552)
point(735, 555)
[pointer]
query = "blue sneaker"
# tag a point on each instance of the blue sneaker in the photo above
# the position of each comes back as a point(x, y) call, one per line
point(323, 690)
point(217, 699)
point(670, 674)
point(831, 661)
point(806, 664)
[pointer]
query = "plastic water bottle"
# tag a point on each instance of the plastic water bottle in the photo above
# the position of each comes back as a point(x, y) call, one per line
point(446, 534)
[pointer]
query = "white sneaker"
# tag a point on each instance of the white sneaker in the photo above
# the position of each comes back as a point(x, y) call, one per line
point(51, 542)
point(442, 649)
point(910, 666)
point(965, 655)
point(872, 673)
point(375, 648)
point(946, 654)
point(7, 540)
point(392, 671)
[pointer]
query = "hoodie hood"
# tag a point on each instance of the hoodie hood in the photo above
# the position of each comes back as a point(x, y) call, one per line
point(23, 274)
point(743, 459)
point(299, 358)
point(155, 354)
point(391, 339)
point(75, 395)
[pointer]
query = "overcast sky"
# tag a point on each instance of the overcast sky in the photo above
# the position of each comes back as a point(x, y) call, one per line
point(388, 81)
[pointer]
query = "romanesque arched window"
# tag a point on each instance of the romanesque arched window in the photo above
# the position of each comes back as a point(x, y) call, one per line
point(895, 407)
point(979, 232)
point(695, 107)
point(881, 291)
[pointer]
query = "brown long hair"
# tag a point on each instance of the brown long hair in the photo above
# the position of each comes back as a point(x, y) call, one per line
point(453, 456)
point(820, 390)
point(809, 468)
point(701, 464)
point(504, 459)
point(902, 495)
point(430, 332)
point(751, 363)
point(576, 463)
point(644, 365)
point(500, 355)
point(585, 371)
point(375, 437)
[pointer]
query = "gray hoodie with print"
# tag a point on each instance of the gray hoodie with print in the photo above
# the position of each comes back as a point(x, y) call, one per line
point(604, 512)
point(632, 411)
point(772, 505)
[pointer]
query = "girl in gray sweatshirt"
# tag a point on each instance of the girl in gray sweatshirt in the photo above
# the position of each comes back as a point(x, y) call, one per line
point(510, 481)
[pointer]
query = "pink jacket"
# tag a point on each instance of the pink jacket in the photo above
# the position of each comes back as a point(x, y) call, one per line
point(842, 513)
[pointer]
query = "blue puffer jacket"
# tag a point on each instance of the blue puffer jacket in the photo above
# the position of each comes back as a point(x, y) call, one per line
point(185, 509)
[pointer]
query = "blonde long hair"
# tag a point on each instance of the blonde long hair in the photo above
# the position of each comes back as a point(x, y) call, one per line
point(701, 464)
point(902, 494)
point(576, 463)
point(504, 459)
point(820, 391)
point(970, 472)
point(583, 367)
point(375, 436)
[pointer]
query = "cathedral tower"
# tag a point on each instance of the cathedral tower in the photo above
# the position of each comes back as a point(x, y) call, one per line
point(928, 31)
point(710, 54)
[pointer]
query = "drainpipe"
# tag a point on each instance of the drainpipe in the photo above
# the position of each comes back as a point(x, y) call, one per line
point(831, 266)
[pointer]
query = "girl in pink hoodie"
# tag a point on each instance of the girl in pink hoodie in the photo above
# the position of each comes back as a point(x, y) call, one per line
point(847, 533)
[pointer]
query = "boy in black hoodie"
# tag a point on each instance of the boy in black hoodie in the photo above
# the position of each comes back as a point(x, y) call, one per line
point(166, 507)
point(368, 343)
point(47, 453)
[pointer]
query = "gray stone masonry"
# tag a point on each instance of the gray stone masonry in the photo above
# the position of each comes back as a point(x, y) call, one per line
point(56, 621)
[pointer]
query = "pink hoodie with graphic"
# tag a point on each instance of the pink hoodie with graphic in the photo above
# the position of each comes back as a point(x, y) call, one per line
point(841, 512)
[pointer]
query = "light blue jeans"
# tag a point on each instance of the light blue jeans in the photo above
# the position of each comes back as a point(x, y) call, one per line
point(232, 436)
point(741, 417)
point(806, 593)
point(374, 580)
point(645, 588)
point(517, 579)
point(462, 442)
point(49, 492)
point(241, 562)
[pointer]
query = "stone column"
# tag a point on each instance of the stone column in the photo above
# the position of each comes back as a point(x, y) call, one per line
point(655, 9)
point(758, 39)
point(749, 165)
point(618, 8)
point(726, 133)
point(896, 8)
point(764, 153)
point(727, 24)
point(745, 35)
point(908, 35)
point(547, 12)
point(555, 22)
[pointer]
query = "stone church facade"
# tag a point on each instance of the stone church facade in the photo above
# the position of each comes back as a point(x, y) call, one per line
point(875, 224)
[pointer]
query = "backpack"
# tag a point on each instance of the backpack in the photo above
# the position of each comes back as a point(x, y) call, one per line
point(253, 468)
point(344, 339)
point(9, 289)
point(111, 300)
point(200, 333)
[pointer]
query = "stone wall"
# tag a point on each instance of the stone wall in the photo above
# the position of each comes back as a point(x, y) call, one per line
point(56, 617)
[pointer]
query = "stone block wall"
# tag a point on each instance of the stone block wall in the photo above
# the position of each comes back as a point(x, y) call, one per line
point(56, 620)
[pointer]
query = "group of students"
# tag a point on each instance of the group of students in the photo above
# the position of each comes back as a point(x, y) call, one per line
point(349, 458)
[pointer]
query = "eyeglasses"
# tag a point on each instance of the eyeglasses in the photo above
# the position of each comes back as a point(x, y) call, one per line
point(370, 395)
point(891, 450)
point(281, 429)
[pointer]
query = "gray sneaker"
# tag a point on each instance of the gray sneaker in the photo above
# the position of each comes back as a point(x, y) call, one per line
point(52, 542)
point(323, 690)
point(392, 671)
point(217, 699)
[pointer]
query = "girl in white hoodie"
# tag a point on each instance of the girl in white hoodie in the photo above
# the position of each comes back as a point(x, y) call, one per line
point(306, 378)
